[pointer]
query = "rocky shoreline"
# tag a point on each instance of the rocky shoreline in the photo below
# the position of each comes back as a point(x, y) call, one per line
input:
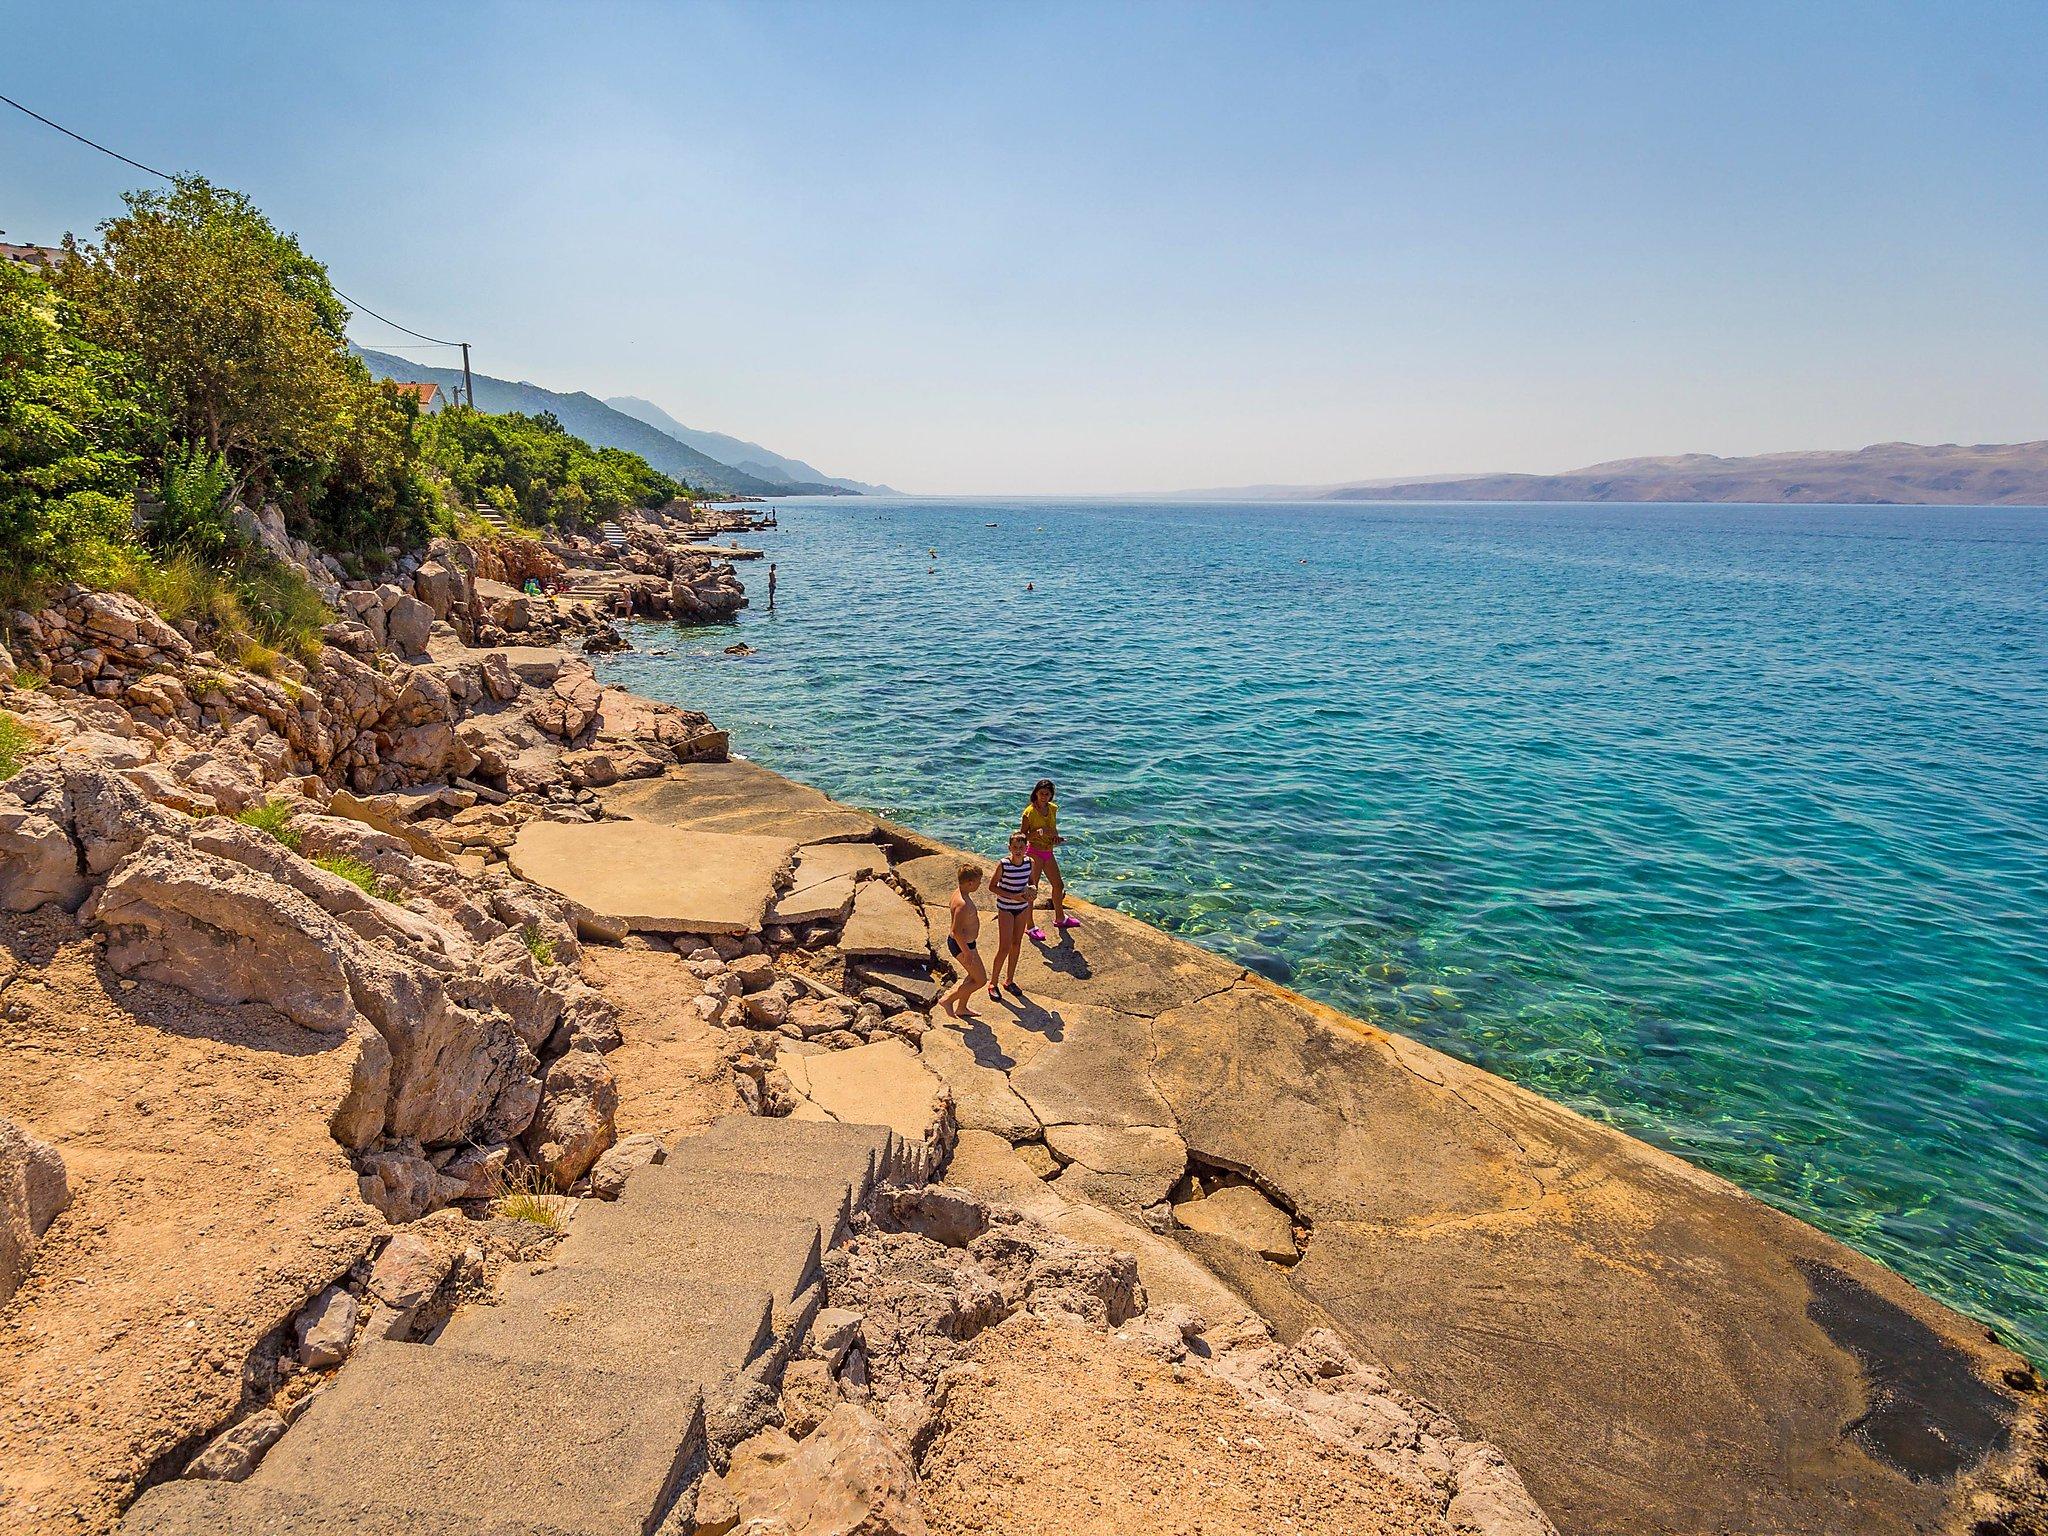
point(335, 997)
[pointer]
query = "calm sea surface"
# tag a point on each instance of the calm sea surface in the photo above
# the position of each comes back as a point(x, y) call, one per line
point(1728, 825)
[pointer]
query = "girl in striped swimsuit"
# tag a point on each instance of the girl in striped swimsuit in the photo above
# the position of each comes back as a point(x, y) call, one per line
point(1016, 887)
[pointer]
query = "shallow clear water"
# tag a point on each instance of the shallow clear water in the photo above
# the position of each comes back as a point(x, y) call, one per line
point(1728, 825)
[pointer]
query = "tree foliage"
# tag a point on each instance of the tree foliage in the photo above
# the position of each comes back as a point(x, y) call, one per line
point(231, 326)
point(530, 466)
point(70, 425)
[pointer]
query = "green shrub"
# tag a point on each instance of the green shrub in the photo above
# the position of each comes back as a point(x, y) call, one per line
point(197, 515)
point(257, 609)
point(528, 1195)
point(17, 744)
point(281, 607)
point(538, 944)
point(274, 817)
point(356, 873)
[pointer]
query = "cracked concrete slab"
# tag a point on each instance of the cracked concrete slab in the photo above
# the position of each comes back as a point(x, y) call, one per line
point(885, 923)
point(826, 901)
point(1241, 1214)
point(654, 879)
point(879, 1084)
point(738, 796)
point(1095, 1073)
point(983, 1099)
point(828, 861)
point(1124, 1167)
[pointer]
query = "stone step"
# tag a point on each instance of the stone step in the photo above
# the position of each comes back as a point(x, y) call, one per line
point(686, 1326)
point(689, 1194)
point(193, 1507)
point(800, 1146)
point(435, 1428)
point(861, 1154)
point(781, 1252)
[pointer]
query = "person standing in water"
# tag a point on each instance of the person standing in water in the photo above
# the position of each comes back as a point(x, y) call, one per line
point(961, 943)
point(771, 586)
point(1041, 829)
point(1016, 884)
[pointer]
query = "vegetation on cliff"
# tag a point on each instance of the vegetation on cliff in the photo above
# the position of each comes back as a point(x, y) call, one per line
point(190, 363)
point(529, 466)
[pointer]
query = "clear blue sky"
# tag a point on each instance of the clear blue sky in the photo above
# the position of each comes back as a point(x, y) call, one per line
point(1050, 248)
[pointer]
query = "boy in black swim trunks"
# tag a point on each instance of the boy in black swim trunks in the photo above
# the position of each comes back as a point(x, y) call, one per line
point(960, 943)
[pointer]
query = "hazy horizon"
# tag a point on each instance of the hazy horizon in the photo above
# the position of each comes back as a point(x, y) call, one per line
point(1063, 249)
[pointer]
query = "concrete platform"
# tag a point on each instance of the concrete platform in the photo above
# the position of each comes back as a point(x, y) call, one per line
point(654, 879)
point(1659, 1354)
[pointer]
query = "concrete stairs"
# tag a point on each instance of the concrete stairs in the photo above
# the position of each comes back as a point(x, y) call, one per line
point(589, 1397)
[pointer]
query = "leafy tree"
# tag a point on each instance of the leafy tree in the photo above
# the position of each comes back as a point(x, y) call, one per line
point(369, 492)
point(532, 466)
point(234, 328)
point(70, 421)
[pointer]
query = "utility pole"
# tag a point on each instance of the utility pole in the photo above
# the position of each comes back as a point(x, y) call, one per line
point(468, 384)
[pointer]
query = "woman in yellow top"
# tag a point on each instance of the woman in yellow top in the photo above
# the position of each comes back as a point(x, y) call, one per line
point(1042, 837)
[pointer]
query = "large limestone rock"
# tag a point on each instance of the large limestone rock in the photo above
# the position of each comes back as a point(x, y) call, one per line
point(33, 1189)
point(191, 917)
point(225, 933)
point(38, 863)
point(649, 878)
point(575, 1124)
point(848, 1477)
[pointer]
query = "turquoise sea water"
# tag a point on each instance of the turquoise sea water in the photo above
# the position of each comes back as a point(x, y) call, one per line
point(1726, 824)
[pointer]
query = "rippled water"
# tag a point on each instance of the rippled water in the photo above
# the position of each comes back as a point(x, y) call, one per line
point(1728, 825)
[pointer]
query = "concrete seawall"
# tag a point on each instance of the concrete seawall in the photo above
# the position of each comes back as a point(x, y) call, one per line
point(1657, 1351)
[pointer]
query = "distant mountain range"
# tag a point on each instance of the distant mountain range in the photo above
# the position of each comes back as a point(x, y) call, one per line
point(750, 458)
point(1984, 474)
point(665, 443)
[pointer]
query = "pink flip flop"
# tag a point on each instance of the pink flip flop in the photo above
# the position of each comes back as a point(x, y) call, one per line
point(1070, 922)
point(1037, 935)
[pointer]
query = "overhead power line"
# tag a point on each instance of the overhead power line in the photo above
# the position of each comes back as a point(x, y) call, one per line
point(71, 133)
point(68, 133)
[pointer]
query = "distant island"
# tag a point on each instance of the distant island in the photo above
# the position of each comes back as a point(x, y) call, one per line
point(1947, 474)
